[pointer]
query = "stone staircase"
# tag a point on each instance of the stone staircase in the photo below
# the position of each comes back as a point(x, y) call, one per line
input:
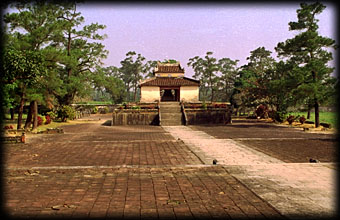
point(171, 114)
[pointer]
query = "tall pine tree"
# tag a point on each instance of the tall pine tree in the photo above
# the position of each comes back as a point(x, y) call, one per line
point(307, 50)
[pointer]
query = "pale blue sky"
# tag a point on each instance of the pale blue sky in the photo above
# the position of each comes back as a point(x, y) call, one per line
point(182, 31)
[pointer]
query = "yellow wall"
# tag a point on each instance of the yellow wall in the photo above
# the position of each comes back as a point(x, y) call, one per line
point(171, 74)
point(150, 94)
point(189, 93)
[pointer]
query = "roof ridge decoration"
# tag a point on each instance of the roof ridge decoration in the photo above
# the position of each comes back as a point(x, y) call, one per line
point(170, 81)
point(168, 68)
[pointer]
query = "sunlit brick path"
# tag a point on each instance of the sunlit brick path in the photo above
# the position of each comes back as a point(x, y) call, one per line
point(95, 170)
point(277, 169)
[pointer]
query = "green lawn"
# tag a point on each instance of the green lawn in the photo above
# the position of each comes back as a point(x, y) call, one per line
point(96, 103)
point(326, 117)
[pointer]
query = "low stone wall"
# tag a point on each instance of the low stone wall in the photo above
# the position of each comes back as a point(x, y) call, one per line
point(207, 116)
point(13, 139)
point(135, 117)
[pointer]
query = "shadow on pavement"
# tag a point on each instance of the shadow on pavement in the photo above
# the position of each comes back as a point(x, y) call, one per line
point(107, 123)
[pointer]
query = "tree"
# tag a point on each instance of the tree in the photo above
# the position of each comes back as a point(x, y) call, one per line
point(22, 70)
point(308, 51)
point(252, 84)
point(206, 71)
point(279, 89)
point(79, 53)
point(27, 33)
point(228, 69)
point(132, 70)
point(150, 64)
point(107, 81)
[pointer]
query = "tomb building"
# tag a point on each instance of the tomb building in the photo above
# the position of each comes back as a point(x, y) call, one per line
point(169, 84)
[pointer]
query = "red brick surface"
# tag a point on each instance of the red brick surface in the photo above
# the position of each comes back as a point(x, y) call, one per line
point(166, 180)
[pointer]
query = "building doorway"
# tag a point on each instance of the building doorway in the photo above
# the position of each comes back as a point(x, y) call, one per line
point(170, 94)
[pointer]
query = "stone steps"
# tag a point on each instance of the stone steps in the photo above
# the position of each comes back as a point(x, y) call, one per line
point(171, 122)
point(170, 109)
point(171, 114)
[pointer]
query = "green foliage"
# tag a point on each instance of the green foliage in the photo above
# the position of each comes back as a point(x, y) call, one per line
point(326, 117)
point(53, 115)
point(169, 61)
point(308, 51)
point(150, 64)
point(206, 71)
point(107, 81)
point(79, 56)
point(94, 110)
point(278, 116)
point(27, 66)
point(66, 112)
point(70, 49)
point(131, 72)
point(106, 110)
point(204, 105)
point(252, 85)
point(229, 71)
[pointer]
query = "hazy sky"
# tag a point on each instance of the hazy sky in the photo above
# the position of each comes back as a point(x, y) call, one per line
point(181, 31)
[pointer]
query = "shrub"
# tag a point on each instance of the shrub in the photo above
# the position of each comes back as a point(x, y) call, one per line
point(291, 119)
point(94, 110)
point(40, 120)
point(52, 115)
point(43, 119)
point(277, 116)
point(106, 110)
point(48, 120)
point(7, 127)
point(302, 119)
point(262, 111)
point(66, 112)
point(204, 106)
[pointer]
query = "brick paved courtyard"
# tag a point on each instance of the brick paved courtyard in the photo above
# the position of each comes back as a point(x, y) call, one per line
point(95, 170)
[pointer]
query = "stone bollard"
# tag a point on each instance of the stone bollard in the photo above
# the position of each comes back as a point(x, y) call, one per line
point(23, 138)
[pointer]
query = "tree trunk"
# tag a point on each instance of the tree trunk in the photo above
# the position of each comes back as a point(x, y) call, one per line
point(29, 116)
point(127, 92)
point(135, 94)
point(308, 112)
point(236, 110)
point(35, 115)
point(212, 91)
point(21, 110)
point(317, 120)
point(11, 110)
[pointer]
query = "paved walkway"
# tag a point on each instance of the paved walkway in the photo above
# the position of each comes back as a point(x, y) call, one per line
point(95, 170)
point(121, 171)
point(295, 189)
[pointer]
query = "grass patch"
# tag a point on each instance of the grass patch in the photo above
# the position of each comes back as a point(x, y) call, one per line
point(54, 124)
point(96, 103)
point(325, 117)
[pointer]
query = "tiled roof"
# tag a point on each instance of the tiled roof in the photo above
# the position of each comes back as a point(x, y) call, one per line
point(170, 81)
point(168, 68)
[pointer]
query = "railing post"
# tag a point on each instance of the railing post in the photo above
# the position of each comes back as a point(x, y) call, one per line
point(184, 114)
point(159, 112)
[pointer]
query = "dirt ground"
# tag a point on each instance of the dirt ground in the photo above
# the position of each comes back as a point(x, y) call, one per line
point(287, 144)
